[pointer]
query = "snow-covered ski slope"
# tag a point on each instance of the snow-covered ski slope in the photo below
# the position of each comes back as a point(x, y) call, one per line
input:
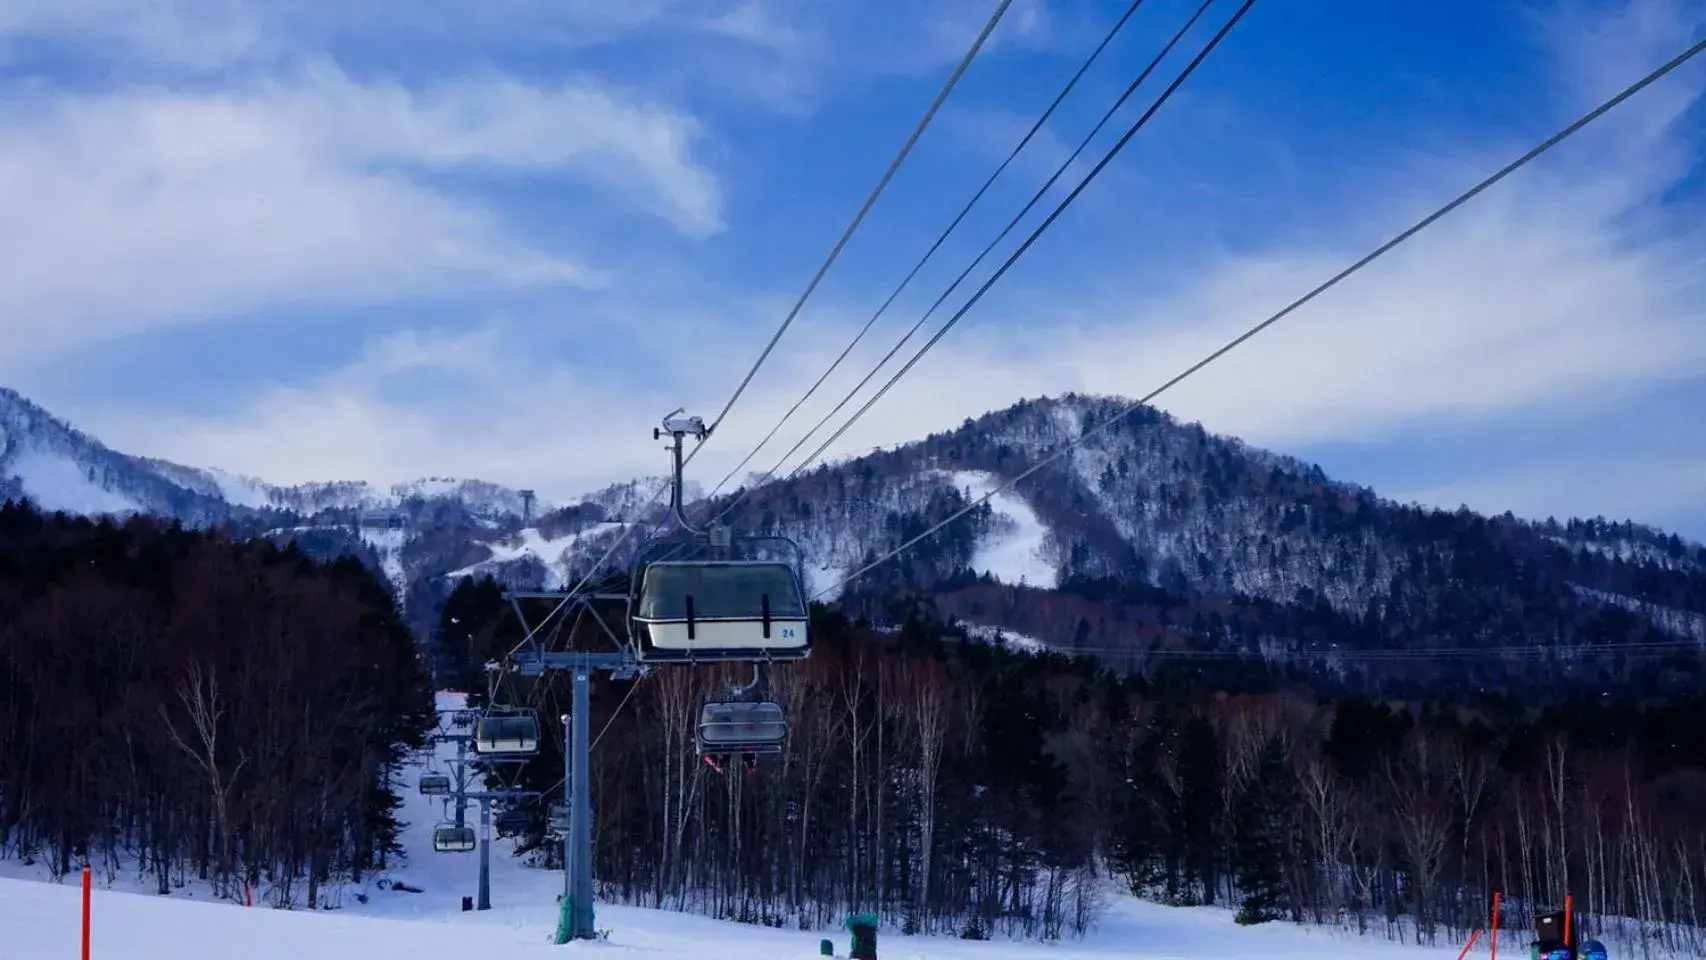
point(41, 920)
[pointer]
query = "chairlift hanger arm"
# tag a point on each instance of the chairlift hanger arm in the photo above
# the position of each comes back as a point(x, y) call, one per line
point(679, 427)
point(740, 690)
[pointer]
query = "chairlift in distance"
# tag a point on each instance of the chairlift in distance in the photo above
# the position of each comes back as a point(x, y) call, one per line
point(746, 723)
point(433, 784)
point(511, 822)
point(506, 732)
point(748, 727)
point(447, 837)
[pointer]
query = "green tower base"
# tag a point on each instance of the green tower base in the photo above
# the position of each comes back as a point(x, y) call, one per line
point(565, 920)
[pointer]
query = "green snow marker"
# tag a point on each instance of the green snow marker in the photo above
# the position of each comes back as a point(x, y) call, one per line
point(565, 910)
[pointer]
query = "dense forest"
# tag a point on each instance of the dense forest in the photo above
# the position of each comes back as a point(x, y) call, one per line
point(965, 789)
point(1443, 643)
point(184, 704)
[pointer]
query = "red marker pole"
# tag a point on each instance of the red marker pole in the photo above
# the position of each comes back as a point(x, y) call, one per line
point(1495, 931)
point(1472, 938)
point(1569, 924)
point(88, 886)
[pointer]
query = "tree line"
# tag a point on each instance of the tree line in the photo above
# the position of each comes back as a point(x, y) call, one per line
point(1513, 646)
point(183, 704)
point(961, 788)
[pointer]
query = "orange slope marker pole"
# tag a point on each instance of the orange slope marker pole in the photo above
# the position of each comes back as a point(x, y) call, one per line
point(1466, 947)
point(1569, 923)
point(88, 884)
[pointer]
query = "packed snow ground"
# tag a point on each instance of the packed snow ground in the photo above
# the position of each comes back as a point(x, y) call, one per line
point(41, 920)
point(530, 542)
point(1019, 554)
point(56, 481)
point(389, 545)
point(1014, 641)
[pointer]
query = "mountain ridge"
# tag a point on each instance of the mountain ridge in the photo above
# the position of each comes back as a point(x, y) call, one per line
point(1149, 502)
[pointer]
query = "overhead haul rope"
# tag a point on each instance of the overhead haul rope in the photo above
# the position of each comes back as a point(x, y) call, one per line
point(846, 235)
point(1002, 270)
point(928, 254)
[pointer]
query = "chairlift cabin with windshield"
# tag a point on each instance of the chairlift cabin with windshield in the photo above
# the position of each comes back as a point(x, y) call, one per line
point(450, 838)
point(435, 784)
point(688, 611)
point(506, 734)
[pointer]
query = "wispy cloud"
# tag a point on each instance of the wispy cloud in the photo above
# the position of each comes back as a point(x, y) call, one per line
point(770, 52)
point(213, 34)
point(153, 206)
point(191, 34)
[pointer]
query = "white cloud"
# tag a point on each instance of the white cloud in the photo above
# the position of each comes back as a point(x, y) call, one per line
point(500, 123)
point(196, 34)
point(149, 207)
point(208, 35)
point(794, 45)
point(755, 22)
point(559, 23)
point(1516, 304)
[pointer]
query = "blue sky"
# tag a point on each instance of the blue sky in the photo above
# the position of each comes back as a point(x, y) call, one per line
point(376, 239)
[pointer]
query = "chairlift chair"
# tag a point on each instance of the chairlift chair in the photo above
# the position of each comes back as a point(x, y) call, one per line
point(756, 727)
point(511, 822)
point(689, 611)
point(450, 838)
point(435, 784)
point(1557, 936)
point(506, 734)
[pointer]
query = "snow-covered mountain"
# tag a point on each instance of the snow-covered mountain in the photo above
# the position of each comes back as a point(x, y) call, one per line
point(1148, 501)
point(61, 468)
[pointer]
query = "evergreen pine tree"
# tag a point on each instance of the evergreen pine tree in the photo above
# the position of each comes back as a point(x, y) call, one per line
point(1259, 837)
